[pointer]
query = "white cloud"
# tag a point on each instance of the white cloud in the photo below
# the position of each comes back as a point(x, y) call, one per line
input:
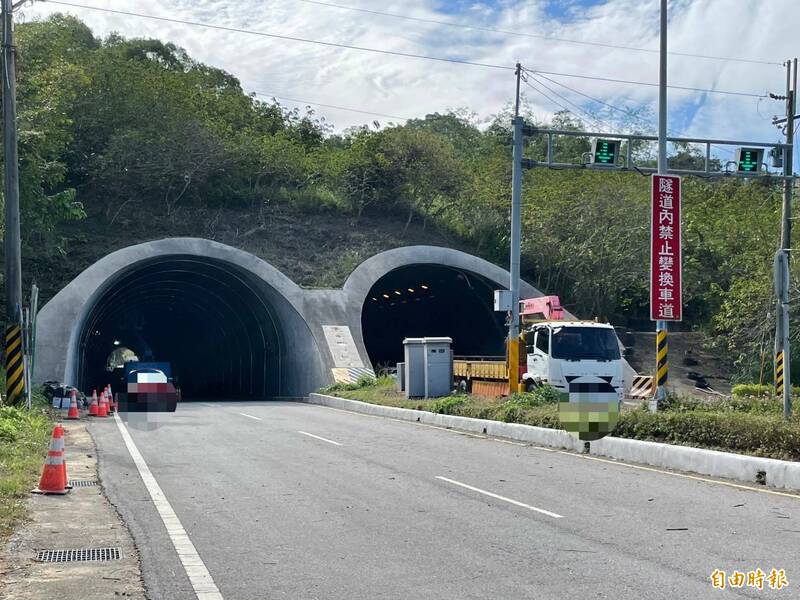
point(410, 87)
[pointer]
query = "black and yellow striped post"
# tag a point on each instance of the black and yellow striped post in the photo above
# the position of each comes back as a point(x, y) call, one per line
point(779, 374)
point(662, 364)
point(15, 367)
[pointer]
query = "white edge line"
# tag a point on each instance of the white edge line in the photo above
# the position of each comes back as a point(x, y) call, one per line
point(320, 438)
point(250, 416)
point(201, 580)
point(503, 498)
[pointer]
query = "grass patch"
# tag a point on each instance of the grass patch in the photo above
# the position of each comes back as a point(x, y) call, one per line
point(745, 423)
point(24, 436)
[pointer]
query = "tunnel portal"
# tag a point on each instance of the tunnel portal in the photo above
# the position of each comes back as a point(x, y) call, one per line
point(209, 320)
point(422, 300)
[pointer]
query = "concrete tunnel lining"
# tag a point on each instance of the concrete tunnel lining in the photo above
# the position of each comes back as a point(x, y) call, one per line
point(64, 321)
point(303, 318)
point(382, 267)
point(202, 316)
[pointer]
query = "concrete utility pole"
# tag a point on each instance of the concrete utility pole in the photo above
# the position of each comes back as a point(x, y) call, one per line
point(783, 380)
point(661, 326)
point(516, 232)
point(13, 267)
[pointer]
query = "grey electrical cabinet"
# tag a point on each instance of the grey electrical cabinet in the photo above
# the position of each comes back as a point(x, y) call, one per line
point(414, 367)
point(438, 366)
point(401, 377)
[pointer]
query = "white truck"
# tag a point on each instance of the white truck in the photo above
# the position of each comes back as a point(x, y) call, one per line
point(572, 356)
point(561, 353)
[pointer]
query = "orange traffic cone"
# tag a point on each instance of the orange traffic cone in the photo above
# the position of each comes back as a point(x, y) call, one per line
point(93, 408)
point(54, 473)
point(73, 407)
point(102, 409)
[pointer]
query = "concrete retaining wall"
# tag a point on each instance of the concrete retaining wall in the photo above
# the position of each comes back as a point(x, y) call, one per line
point(777, 473)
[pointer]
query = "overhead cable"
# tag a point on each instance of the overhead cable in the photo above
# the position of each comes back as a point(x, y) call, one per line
point(391, 52)
point(534, 35)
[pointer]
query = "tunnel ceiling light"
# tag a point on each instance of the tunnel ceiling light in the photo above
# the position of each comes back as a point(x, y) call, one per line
point(411, 290)
point(398, 292)
point(386, 296)
point(116, 342)
point(424, 287)
point(374, 299)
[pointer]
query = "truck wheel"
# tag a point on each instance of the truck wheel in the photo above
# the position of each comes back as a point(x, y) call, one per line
point(530, 385)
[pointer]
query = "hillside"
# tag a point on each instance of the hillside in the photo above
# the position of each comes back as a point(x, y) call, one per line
point(128, 140)
point(314, 249)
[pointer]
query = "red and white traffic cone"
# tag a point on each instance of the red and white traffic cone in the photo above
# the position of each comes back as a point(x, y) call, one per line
point(102, 409)
point(54, 473)
point(73, 414)
point(93, 406)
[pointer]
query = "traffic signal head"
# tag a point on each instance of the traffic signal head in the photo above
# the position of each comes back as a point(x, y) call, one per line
point(605, 152)
point(748, 160)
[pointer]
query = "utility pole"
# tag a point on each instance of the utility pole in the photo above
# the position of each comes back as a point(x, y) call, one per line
point(783, 380)
point(662, 365)
point(15, 379)
point(516, 231)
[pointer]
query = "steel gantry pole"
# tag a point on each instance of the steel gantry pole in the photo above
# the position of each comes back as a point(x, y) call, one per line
point(15, 379)
point(783, 381)
point(662, 366)
point(516, 232)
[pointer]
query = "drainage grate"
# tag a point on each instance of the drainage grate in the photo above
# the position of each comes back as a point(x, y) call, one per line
point(81, 482)
point(79, 554)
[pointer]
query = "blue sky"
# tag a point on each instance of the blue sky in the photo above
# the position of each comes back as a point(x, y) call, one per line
point(403, 87)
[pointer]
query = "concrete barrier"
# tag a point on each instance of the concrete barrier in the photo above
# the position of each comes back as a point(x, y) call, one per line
point(751, 469)
point(542, 436)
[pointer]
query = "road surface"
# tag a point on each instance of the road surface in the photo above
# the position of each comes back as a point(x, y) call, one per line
point(292, 501)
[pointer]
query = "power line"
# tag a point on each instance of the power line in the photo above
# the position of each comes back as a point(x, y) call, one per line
point(391, 52)
point(355, 110)
point(556, 102)
point(648, 84)
point(580, 109)
point(593, 99)
point(281, 37)
point(533, 35)
point(613, 107)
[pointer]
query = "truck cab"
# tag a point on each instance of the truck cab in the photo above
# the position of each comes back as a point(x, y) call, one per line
point(559, 352)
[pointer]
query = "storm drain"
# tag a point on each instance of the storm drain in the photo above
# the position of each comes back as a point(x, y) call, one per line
point(81, 482)
point(79, 555)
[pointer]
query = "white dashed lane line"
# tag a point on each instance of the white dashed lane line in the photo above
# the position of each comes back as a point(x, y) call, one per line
point(499, 497)
point(250, 416)
point(317, 437)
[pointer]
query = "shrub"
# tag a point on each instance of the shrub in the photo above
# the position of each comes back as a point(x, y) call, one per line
point(362, 382)
point(754, 389)
point(448, 405)
point(541, 396)
point(757, 434)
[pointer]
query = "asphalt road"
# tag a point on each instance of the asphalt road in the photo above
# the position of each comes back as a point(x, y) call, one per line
point(374, 508)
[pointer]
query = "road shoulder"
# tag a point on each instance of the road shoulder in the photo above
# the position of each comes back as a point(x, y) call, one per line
point(84, 518)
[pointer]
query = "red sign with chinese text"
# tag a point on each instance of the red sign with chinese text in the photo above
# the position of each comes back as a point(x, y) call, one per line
point(665, 249)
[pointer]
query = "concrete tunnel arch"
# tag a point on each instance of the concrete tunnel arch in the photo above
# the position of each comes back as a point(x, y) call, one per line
point(230, 323)
point(236, 327)
point(457, 301)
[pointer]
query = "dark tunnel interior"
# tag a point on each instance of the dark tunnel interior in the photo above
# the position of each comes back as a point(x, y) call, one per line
point(200, 315)
point(431, 300)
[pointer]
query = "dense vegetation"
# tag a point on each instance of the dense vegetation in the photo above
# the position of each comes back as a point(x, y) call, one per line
point(121, 133)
